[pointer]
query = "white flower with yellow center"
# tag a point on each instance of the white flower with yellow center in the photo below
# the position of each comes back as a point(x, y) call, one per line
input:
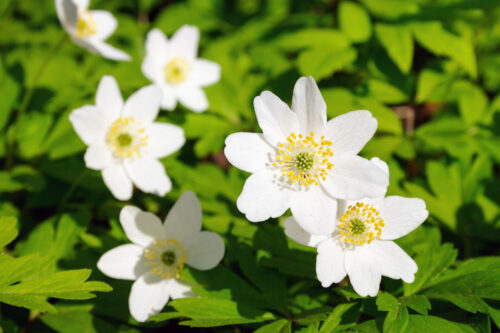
point(173, 66)
point(362, 245)
point(89, 28)
point(159, 252)
point(303, 162)
point(123, 140)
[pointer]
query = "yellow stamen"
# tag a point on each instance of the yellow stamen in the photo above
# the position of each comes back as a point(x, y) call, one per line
point(165, 258)
point(177, 70)
point(127, 138)
point(86, 25)
point(360, 224)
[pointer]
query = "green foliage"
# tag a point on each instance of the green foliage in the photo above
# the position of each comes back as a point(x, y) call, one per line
point(429, 71)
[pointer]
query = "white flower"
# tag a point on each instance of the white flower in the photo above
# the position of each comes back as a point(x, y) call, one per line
point(362, 246)
point(159, 252)
point(124, 142)
point(303, 162)
point(174, 67)
point(89, 28)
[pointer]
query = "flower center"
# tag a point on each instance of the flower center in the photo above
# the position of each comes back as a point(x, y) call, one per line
point(127, 138)
point(165, 258)
point(360, 224)
point(304, 160)
point(85, 26)
point(168, 257)
point(177, 70)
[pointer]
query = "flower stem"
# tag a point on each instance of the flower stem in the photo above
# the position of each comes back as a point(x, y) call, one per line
point(27, 98)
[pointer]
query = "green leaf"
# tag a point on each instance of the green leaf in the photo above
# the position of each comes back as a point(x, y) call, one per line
point(271, 285)
point(8, 230)
point(434, 37)
point(419, 303)
point(21, 177)
point(354, 21)
point(278, 326)
point(331, 39)
point(335, 317)
point(391, 9)
point(398, 42)
point(323, 62)
point(10, 90)
point(431, 324)
point(397, 316)
point(210, 312)
point(70, 316)
point(21, 286)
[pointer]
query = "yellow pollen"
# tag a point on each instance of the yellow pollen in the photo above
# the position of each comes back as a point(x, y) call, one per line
point(360, 224)
point(85, 25)
point(177, 70)
point(303, 160)
point(127, 138)
point(165, 258)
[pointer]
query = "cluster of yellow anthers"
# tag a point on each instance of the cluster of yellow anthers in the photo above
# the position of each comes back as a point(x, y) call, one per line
point(85, 26)
point(127, 137)
point(177, 70)
point(303, 159)
point(360, 224)
point(166, 258)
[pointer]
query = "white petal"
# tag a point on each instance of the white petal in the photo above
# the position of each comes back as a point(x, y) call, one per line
point(248, 151)
point(194, 98)
point(106, 24)
point(108, 51)
point(206, 251)
point(183, 221)
point(309, 105)
point(117, 181)
point(149, 175)
point(143, 104)
point(364, 274)
point(261, 198)
point(168, 97)
point(67, 12)
point(178, 289)
point(205, 72)
point(108, 98)
point(164, 139)
point(98, 156)
point(351, 131)
point(295, 232)
point(140, 227)
point(353, 177)
point(147, 297)
point(315, 211)
point(275, 118)
point(390, 260)
point(185, 42)
point(157, 52)
point(82, 4)
point(380, 164)
point(123, 262)
point(89, 123)
point(401, 216)
point(330, 263)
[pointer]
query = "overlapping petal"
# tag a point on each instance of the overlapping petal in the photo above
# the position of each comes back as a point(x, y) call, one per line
point(148, 296)
point(248, 151)
point(140, 227)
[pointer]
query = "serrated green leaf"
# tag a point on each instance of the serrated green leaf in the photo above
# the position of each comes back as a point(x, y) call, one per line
point(278, 326)
point(419, 303)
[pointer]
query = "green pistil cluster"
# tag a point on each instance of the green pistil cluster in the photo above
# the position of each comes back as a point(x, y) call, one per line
point(304, 161)
point(168, 258)
point(124, 139)
point(357, 227)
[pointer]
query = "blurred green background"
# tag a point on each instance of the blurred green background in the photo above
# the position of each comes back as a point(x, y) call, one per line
point(428, 70)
